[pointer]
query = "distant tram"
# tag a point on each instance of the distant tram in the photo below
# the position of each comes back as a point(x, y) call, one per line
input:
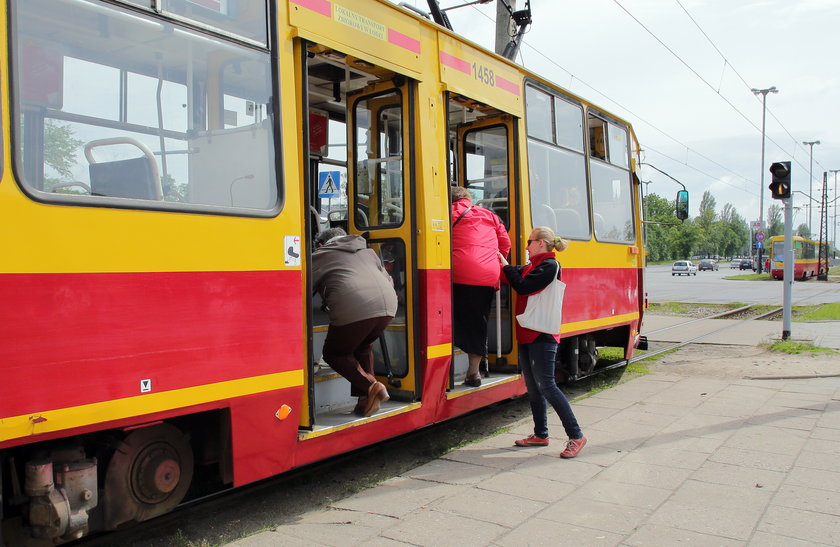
point(806, 257)
point(165, 166)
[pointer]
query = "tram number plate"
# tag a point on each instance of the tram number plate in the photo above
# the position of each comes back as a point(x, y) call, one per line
point(484, 74)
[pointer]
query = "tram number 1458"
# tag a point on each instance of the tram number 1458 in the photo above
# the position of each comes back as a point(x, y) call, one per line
point(484, 74)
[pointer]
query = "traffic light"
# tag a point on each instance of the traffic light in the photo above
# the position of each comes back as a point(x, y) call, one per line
point(780, 187)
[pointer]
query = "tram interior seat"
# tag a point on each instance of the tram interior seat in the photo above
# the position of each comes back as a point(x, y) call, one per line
point(544, 216)
point(569, 222)
point(132, 178)
point(136, 178)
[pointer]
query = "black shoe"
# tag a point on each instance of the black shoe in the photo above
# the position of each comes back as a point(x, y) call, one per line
point(473, 381)
point(484, 369)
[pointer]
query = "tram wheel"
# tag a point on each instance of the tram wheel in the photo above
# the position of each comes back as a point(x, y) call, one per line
point(148, 475)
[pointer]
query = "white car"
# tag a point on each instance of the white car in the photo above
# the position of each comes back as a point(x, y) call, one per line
point(683, 267)
point(735, 264)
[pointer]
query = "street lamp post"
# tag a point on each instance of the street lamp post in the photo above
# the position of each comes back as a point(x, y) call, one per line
point(763, 93)
point(834, 239)
point(810, 181)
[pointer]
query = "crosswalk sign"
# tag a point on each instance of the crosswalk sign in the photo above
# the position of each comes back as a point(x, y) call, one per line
point(329, 184)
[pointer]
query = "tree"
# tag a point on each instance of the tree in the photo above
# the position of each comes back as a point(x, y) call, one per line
point(60, 149)
point(659, 209)
point(735, 238)
point(682, 239)
point(775, 224)
point(803, 231)
point(706, 234)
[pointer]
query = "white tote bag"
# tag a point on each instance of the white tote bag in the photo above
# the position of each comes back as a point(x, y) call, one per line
point(544, 311)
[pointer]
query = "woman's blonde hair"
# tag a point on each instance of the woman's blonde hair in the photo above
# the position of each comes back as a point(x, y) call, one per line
point(553, 241)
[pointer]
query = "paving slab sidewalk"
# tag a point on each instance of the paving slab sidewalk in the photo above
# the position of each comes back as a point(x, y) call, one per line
point(672, 458)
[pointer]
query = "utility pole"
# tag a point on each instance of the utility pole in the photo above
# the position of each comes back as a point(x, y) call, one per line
point(834, 230)
point(810, 181)
point(763, 93)
point(504, 24)
point(822, 275)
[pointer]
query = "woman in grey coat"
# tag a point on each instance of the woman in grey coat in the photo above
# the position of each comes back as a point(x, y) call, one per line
point(359, 296)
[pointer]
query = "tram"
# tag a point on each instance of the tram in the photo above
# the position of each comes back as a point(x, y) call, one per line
point(165, 166)
point(806, 257)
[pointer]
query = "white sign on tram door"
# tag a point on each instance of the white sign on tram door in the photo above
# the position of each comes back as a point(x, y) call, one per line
point(329, 184)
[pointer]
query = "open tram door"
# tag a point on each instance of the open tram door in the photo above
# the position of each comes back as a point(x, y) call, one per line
point(360, 179)
point(482, 159)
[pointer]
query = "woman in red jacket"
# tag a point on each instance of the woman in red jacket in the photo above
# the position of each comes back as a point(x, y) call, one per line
point(477, 235)
point(537, 350)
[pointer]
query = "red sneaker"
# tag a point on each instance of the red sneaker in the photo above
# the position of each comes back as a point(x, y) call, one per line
point(532, 440)
point(573, 447)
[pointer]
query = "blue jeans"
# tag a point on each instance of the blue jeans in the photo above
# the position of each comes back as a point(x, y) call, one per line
point(537, 362)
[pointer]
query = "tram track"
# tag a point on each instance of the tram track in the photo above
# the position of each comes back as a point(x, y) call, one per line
point(625, 362)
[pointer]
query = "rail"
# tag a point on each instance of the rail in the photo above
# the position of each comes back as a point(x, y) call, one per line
point(625, 362)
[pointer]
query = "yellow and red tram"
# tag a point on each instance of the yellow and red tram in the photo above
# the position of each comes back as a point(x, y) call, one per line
point(806, 257)
point(166, 164)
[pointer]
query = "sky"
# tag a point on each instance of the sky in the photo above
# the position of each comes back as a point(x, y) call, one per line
point(681, 72)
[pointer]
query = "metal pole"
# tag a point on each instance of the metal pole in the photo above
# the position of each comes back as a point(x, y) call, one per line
point(763, 93)
point(498, 324)
point(788, 271)
point(810, 186)
point(761, 199)
point(834, 239)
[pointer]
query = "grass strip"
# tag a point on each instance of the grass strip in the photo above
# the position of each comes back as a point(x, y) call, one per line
point(794, 347)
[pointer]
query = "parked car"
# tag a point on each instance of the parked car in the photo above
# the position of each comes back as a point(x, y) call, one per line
point(736, 263)
point(747, 264)
point(683, 267)
point(708, 264)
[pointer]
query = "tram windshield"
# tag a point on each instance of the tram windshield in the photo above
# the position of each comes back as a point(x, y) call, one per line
point(779, 251)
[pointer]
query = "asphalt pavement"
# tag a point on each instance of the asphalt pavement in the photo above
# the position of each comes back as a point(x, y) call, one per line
point(711, 287)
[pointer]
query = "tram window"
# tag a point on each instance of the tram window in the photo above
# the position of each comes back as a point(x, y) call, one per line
point(597, 138)
point(612, 203)
point(78, 74)
point(142, 3)
point(115, 105)
point(173, 102)
point(619, 154)
point(378, 197)
point(486, 162)
point(247, 19)
point(558, 190)
point(568, 121)
point(538, 108)
point(558, 170)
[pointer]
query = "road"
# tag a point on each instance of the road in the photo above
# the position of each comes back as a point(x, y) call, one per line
point(711, 287)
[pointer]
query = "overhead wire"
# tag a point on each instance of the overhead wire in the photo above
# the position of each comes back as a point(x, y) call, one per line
point(631, 112)
point(727, 62)
point(686, 164)
point(702, 79)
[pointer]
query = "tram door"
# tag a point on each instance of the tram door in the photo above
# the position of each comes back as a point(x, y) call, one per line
point(359, 180)
point(379, 173)
point(482, 160)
